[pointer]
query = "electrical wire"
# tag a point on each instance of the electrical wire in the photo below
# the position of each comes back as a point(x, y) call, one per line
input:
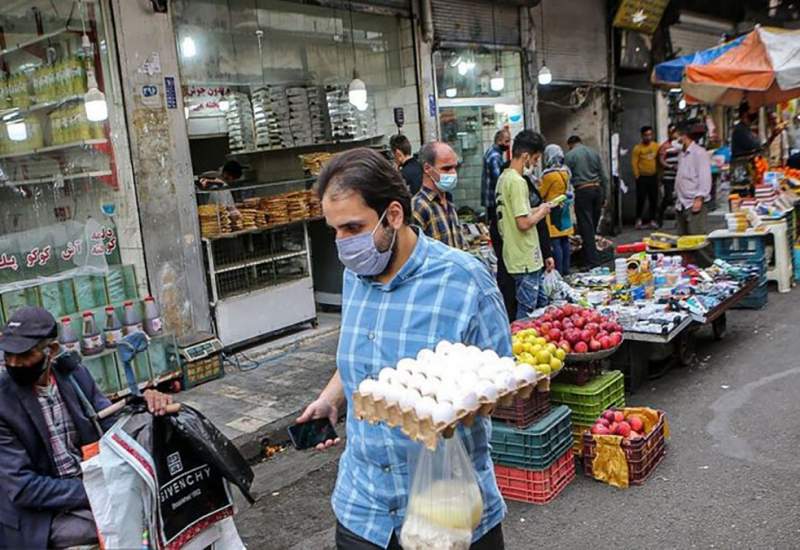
point(244, 363)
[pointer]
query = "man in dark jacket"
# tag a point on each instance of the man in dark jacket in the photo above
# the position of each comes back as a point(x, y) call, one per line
point(43, 426)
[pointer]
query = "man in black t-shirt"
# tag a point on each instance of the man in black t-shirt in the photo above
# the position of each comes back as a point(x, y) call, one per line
point(409, 166)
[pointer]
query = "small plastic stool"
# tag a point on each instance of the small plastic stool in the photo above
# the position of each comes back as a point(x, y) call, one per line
point(781, 271)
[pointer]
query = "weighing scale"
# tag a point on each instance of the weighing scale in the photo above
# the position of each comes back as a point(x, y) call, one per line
point(200, 357)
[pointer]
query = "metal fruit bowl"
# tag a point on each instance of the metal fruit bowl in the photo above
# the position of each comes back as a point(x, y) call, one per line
point(591, 356)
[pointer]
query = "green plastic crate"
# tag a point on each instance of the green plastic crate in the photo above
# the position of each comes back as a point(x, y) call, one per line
point(537, 446)
point(90, 291)
point(103, 369)
point(121, 283)
point(589, 401)
point(58, 298)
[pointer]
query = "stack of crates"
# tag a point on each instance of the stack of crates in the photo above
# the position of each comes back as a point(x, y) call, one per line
point(534, 463)
point(588, 402)
point(750, 250)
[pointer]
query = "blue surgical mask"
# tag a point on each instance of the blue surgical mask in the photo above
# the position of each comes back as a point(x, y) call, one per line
point(447, 182)
point(360, 254)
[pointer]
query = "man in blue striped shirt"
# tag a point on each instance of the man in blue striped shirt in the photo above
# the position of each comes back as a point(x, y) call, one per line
point(403, 292)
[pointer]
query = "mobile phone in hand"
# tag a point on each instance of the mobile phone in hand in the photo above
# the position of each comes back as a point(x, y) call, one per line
point(312, 433)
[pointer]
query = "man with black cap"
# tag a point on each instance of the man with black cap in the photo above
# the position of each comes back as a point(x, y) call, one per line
point(43, 426)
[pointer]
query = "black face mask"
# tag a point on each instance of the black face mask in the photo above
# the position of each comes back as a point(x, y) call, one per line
point(503, 147)
point(27, 376)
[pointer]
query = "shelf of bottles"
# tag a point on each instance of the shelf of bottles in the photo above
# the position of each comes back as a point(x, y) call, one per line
point(49, 85)
point(94, 312)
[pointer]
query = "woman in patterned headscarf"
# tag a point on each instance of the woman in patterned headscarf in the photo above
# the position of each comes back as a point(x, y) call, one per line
point(555, 182)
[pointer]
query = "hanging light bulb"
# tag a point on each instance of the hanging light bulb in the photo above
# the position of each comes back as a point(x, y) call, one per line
point(497, 83)
point(463, 68)
point(94, 101)
point(186, 112)
point(451, 92)
point(188, 47)
point(17, 131)
point(224, 104)
point(545, 76)
point(357, 92)
point(682, 104)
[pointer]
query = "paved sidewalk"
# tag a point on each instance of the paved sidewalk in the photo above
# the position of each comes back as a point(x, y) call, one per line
point(249, 404)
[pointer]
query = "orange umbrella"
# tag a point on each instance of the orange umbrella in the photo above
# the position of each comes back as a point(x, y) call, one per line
point(763, 69)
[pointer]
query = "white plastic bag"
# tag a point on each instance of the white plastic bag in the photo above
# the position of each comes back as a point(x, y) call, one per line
point(445, 503)
point(551, 284)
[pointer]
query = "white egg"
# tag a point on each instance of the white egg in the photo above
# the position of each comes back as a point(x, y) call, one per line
point(490, 355)
point(401, 378)
point(486, 390)
point(366, 386)
point(393, 393)
point(468, 380)
point(443, 348)
point(379, 390)
point(386, 375)
point(407, 365)
point(459, 348)
point(487, 372)
point(446, 393)
point(428, 388)
point(465, 400)
point(416, 381)
point(424, 407)
point(409, 398)
point(443, 413)
point(507, 363)
point(525, 373)
point(504, 381)
point(425, 355)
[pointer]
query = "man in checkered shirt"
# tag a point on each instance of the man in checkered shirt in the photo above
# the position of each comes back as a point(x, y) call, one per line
point(402, 292)
point(42, 429)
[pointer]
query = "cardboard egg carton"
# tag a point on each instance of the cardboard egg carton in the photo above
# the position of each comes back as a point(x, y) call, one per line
point(423, 429)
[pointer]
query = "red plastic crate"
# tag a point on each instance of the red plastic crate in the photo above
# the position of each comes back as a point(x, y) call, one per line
point(524, 412)
point(642, 455)
point(536, 486)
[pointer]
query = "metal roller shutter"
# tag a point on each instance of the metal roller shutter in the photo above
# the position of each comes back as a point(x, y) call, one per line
point(469, 22)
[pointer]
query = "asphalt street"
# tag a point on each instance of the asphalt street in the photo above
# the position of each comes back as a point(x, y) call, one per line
point(730, 478)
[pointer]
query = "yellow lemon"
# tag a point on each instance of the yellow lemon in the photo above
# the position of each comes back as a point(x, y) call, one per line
point(526, 358)
point(551, 347)
point(518, 348)
point(560, 353)
point(555, 364)
point(544, 369)
point(541, 341)
point(543, 357)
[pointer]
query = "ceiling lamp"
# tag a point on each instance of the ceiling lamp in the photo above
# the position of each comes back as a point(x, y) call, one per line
point(497, 83)
point(451, 92)
point(94, 101)
point(188, 47)
point(545, 76)
point(357, 91)
point(17, 131)
point(224, 104)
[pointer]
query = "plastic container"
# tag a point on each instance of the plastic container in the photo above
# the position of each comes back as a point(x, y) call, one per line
point(67, 336)
point(742, 247)
point(204, 370)
point(112, 329)
point(91, 339)
point(152, 317)
point(536, 486)
point(535, 447)
point(642, 455)
point(524, 412)
point(131, 319)
point(589, 401)
point(577, 437)
point(757, 298)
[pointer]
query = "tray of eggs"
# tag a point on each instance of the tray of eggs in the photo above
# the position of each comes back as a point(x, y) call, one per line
point(429, 395)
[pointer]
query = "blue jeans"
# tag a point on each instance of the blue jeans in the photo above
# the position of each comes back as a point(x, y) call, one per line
point(529, 292)
point(561, 253)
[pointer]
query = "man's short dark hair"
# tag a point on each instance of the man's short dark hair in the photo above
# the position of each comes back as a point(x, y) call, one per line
point(573, 139)
point(644, 129)
point(527, 141)
point(368, 173)
point(399, 142)
point(744, 108)
point(232, 168)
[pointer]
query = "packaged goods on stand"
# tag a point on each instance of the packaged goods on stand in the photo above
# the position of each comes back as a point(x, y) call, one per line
point(91, 339)
point(241, 125)
point(112, 331)
point(67, 336)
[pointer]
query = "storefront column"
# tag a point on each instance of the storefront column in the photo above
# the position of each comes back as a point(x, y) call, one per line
point(530, 68)
point(161, 164)
point(423, 43)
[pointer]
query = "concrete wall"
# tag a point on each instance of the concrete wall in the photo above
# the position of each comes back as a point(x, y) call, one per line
point(161, 166)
